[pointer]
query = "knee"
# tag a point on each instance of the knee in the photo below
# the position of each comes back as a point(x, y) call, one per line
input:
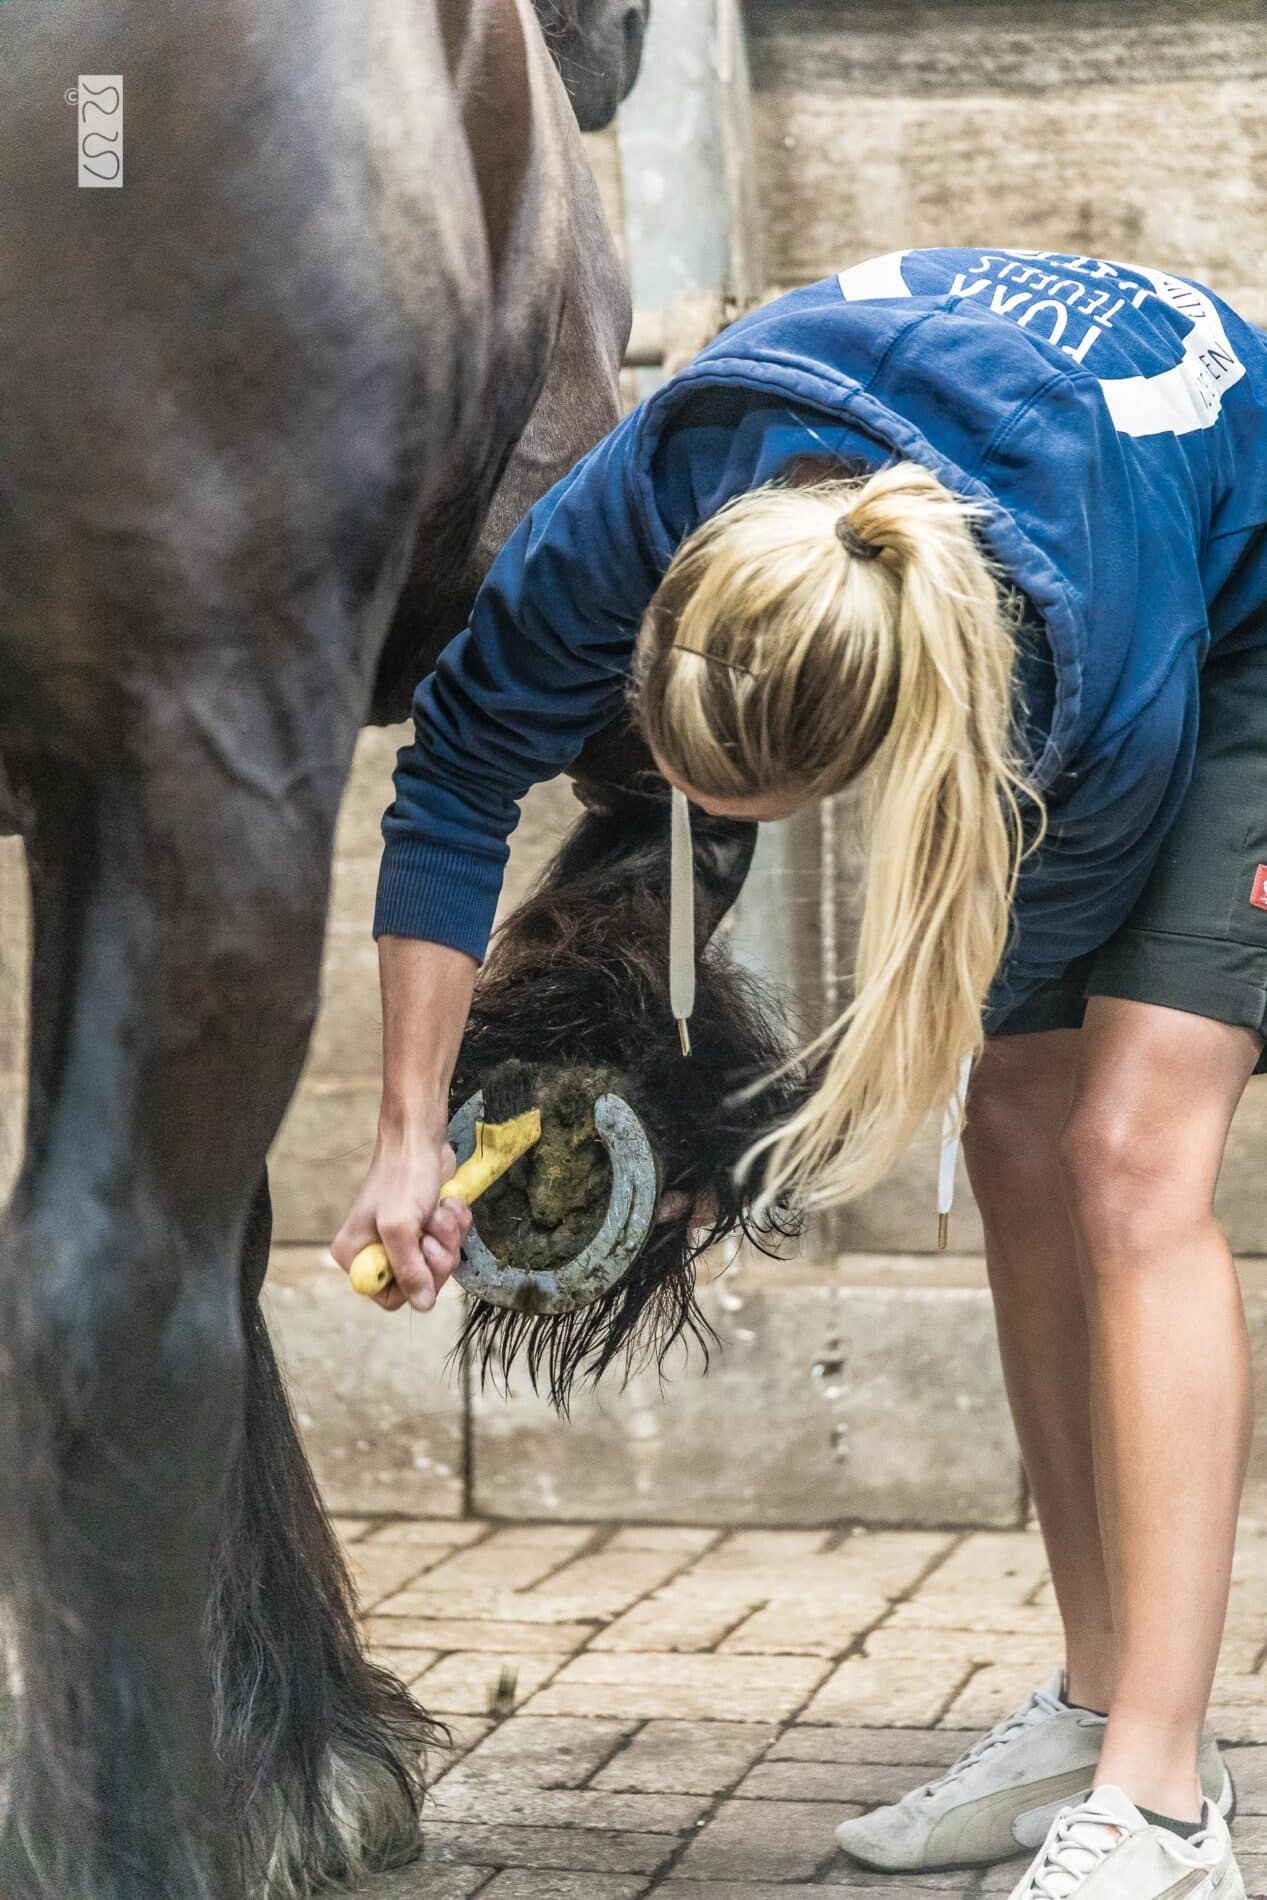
point(1009, 1141)
point(118, 1345)
point(1122, 1195)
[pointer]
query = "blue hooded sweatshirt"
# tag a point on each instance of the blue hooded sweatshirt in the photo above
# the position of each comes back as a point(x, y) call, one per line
point(1112, 422)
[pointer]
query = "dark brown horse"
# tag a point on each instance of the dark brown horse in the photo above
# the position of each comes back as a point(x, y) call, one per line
point(598, 46)
point(256, 410)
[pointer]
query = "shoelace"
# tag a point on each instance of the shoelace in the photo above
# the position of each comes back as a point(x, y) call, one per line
point(1079, 1842)
point(1040, 1703)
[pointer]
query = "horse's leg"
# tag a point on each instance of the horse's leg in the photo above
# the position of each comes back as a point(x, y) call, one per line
point(178, 922)
point(322, 1749)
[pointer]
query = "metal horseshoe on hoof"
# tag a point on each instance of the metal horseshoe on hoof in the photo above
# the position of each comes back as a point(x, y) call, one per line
point(608, 1257)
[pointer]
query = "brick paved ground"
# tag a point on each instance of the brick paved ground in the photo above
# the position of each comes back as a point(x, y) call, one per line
point(690, 1712)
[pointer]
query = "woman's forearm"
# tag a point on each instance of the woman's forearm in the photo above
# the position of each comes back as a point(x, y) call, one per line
point(426, 991)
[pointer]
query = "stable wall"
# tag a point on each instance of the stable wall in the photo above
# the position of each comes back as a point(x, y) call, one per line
point(861, 1380)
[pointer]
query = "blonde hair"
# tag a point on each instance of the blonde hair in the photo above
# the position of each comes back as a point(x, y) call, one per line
point(800, 636)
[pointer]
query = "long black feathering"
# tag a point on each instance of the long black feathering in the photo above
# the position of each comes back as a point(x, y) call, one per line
point(578, 976)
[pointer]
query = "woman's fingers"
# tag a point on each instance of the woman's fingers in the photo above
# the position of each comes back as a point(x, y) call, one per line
point(442, 1242)
point(400, 1236)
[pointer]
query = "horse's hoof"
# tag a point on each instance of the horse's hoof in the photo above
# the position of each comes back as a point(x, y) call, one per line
point(369, 1828)
point(395, 1857)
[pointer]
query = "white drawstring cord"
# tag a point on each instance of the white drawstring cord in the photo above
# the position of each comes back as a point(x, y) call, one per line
point(951, 1138)
point(682, 920)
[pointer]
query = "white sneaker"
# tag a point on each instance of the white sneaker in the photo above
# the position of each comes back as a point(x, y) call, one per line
point(1000, 1798)
point(1106, 1850)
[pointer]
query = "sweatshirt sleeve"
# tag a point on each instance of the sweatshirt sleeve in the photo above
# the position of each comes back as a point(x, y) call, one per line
point(1104, 836)
point(543, 665)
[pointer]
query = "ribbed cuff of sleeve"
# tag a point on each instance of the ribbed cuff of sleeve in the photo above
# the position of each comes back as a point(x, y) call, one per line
point(437, 895)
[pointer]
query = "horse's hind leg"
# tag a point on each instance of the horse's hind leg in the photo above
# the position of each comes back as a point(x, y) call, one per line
point(321, 1749)
point(178, 923)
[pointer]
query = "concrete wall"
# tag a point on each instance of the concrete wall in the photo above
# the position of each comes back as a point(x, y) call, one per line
point(860, 1381)
point(1128, 128)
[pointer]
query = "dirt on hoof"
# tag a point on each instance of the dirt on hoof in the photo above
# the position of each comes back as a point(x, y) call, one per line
point(553, 1201)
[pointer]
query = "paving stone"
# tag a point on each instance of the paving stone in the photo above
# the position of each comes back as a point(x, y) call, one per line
point(963, 1612)
point(467, 1683)
point(865, 1783)
point(496, 1576)
point(513, 1804)
point(880, 1746)
point(1001, 1879)
point(488, 1633)
point(992, 1692)
point(762, 1840)
point(890, 1691)
point(395, 1632)
point(1241, 1651)
point(854, 1883)
point(408, 1663)
point(576, 1849)
point(971, 1648)
point(1243, 1724)
point(427, 1880)
point(519, 1884)
point(1249, 1771)
point(685, 1618)
point(995, 1566)
point(349, 1529)
point(379, 1570)
point(549, 1751)
point(728, 1688)
point(464, 1732)
point(686, 1757)
point(791, 1627)
point(1254, 1871)
point(1251, 1834)
point(437, 1535)
point(758, 1547)
point(843, 1874)
point(604, 1584)
point(760, 1591)
point(844, 1880)
point(549, 1536)
point(684, 1537)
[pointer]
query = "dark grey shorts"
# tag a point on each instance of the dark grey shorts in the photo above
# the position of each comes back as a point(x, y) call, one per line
point(1197, 938)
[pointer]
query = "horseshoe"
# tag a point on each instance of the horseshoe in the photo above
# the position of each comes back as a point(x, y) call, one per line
point(607, 1258)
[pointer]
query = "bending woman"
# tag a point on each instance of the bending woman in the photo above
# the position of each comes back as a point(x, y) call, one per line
point(989, 528)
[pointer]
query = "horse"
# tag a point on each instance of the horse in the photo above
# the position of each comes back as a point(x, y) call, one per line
point(597, 45)
point(257, 408)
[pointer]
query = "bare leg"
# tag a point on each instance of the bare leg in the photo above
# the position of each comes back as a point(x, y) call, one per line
point(1020, 1100)
point(1171, 1406)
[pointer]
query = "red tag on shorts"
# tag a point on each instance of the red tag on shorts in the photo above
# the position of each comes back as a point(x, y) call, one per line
point(1258, 896)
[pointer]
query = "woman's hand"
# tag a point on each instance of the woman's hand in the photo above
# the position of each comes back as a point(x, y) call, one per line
point(399, 1205)
point(426, 997)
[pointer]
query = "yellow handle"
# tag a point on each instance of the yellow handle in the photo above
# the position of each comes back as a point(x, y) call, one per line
point(497, 1147)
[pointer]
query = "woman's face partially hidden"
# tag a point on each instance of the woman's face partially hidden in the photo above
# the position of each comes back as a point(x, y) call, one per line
point(765, 811)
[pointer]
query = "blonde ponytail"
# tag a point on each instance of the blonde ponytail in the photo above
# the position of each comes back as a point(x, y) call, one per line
point(802, 635)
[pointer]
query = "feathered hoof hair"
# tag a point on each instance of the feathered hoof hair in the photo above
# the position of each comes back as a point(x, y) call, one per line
point(579, 976)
